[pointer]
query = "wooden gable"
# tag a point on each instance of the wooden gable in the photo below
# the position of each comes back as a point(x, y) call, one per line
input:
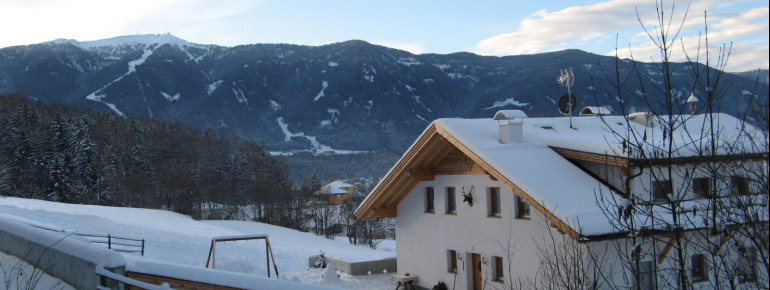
point(436, 152)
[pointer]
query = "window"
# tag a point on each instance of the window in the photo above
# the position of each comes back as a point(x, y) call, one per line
point(494, 201)
point(498, 268)
point(646, 274)
point(698, 268)
point(451, 203)
point(429, 200)
point(739, 185)
point(701, 187)
point(746, 269)
point(522, 208)
point(661, 190)
point(451, 261)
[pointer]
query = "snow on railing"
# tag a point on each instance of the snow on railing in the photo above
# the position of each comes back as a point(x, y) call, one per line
point(126, 245)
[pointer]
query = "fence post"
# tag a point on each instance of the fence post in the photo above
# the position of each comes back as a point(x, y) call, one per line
point(109, 242)
point(142, 247)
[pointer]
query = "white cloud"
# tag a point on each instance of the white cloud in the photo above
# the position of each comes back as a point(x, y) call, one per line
point(743, 35)
point(545, 31)
point(578, 26)
point(82, 20)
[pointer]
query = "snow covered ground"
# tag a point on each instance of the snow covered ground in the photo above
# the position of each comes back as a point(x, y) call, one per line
point(177, 238)
point(17, 274)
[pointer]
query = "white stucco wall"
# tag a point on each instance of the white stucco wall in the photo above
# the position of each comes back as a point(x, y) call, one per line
point(681, 177)
point(424, 238)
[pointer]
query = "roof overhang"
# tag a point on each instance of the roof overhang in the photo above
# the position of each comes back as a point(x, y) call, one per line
point(423, 161)
point(625, 162)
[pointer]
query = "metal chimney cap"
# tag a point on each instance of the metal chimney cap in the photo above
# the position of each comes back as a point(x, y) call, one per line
point(594, 111)
point(692, 99)
point(509, 114)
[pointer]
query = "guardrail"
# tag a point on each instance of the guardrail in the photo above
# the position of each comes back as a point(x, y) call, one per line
point(126, 245)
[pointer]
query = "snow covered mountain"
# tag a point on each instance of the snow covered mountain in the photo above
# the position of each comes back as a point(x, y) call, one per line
point(337, 98)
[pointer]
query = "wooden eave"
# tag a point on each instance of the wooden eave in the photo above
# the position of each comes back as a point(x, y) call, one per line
point(698, 159)
point(626, 163)
point(405, 175)
point(438, 152)
point(610, 160)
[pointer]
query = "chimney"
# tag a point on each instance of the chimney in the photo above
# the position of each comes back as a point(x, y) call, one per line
point(643, 118)
point(693, 101)
point(510, 125)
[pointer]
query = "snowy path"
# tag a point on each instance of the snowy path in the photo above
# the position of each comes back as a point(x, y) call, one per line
point(178, 238)
point(95, 96)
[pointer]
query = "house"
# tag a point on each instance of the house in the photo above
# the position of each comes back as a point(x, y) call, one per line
point(337, 192)
point(479, 203)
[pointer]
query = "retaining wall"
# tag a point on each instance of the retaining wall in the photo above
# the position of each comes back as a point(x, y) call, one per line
point(58, 254)
point(74, 260)
point(358, 268)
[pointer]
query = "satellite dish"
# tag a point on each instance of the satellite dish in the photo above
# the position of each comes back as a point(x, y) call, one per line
point(567, 104)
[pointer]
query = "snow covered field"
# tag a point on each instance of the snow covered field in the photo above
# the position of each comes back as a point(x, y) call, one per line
point(177, 238)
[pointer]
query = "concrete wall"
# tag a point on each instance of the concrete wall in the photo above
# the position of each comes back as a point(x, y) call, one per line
point(174, 283)
point(74, 260)
point(60, 255)
point(359, 268)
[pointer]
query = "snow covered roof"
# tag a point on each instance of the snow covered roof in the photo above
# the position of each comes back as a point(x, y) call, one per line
point(604, 135)
point(339, 184)
point(335, 187)
point(692, 99)
point(591, 111)
point(509, 114)
point(530, 168)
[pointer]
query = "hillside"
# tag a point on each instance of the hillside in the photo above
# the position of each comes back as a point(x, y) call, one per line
point(332, 99)
point(177, 238)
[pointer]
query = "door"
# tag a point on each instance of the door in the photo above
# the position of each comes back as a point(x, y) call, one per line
point(476, 260)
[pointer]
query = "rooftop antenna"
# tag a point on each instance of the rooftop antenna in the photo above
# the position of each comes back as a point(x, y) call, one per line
point(568, 101)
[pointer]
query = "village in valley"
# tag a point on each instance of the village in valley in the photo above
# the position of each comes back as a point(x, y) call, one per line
point(151, 162)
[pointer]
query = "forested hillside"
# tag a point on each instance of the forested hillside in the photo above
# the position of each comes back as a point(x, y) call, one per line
point(56, 153)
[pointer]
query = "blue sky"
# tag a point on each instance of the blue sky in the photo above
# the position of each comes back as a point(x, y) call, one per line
point(492, 27)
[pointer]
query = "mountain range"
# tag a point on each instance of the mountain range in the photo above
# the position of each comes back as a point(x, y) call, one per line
point(339, 98)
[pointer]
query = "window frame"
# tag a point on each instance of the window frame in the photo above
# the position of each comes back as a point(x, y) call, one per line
point(647, 275)
point(667, 187)
point(739, 185)
point(523, 209)
point(451, 261)
point(494, 208)
point(698, 271)
point(698, 189)
point(498, 269)
point(450, 200)
point(430, 200)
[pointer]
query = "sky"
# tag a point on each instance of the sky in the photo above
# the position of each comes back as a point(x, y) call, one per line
point(490, 27)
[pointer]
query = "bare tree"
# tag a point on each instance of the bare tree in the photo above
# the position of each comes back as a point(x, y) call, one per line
point(688, 190)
